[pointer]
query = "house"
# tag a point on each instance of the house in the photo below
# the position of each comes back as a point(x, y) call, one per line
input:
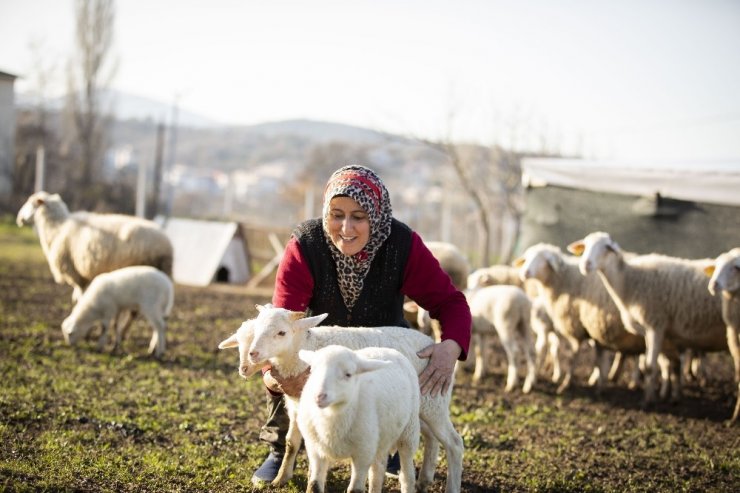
point(7, 132)
point(684, 209)
point(207, 251)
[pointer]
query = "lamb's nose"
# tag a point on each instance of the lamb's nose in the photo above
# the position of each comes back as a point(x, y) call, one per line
point(254, 355)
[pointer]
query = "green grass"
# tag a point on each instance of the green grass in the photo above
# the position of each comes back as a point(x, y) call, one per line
point(74, 419)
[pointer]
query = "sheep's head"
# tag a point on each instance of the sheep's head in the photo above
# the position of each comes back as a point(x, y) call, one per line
point(27, 212)
point(75, 329)
point(334, 371)
point(724, 273)
point(539, 262)
point(595, 251)
point(278, 332)
point(242, 339)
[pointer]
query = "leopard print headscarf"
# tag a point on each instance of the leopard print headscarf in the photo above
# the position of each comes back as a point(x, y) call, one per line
point(367, 189)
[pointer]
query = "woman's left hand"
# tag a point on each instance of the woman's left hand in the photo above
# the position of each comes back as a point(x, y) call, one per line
point(437, 376)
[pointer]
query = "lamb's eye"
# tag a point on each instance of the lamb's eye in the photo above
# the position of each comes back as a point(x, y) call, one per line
point(348, 375)
point(281, 333)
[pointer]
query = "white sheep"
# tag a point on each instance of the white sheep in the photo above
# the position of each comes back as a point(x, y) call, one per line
point(724, 275)
point(78, 246)
point(142, 288)
point(506, 310)
point(663, 299)
point(360, 405)
point(580, 309)
point(277, 335)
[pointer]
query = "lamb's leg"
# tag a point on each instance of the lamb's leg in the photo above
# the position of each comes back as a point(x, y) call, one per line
point(733, 343)
point(438, 419)
point(317, 469)
point(616, 367)
point(569, 361)
point(429, 460)
point(360, 467)
point(512, 352)
point(406, 450)
point(653, 344)
point(479, 349)
point(292, 444)
point(124, 320)
point(554, 351)
point(103, 339)
point(531, 358)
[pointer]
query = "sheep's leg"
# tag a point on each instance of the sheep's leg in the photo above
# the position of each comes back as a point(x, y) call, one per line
point(540, 349)
point(360, 467)
point(733, 343)
point(429, 460)
point(438, 419)
point(636, 374)
point(406, 449)
point(569, 362)
point(653, 344)
point(600, 369)
point(530, 357)
point(292, 444)
point(616, 367)
point(512, 351)
point(554, 350)
point(317, 469)
point(479, 370)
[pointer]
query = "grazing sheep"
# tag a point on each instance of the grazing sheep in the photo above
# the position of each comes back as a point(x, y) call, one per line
point(142, 288)
point(505, 310)
point(725, 277)
point(78, 246)
point(361, 405)
point(277, 335)
point(663, 299)
point(580, 308)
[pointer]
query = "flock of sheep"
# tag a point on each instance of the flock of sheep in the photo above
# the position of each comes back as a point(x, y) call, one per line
point(361, 398)
point(664, 311)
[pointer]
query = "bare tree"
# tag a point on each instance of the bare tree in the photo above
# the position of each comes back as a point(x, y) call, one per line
point(89, 73)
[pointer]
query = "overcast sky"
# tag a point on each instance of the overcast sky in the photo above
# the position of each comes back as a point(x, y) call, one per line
point(627, 79)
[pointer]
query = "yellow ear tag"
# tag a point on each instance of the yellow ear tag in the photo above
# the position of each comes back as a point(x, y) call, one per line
point(577, 248)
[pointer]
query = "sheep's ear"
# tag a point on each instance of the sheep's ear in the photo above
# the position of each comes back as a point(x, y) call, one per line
point(612, 245)
point(307, 323)
point(38, 201)
point(518, 262)
point(709, 270)
point(365, 365)
point(229, 343)
point(306, 356)
point(577, 248)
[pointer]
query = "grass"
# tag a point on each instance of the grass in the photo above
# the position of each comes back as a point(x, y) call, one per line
point(74, 419)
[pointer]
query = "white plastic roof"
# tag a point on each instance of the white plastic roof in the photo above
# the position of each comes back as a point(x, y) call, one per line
point(713, 182)
point(201, 247)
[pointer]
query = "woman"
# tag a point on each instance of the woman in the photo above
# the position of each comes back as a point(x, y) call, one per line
point(357, 263)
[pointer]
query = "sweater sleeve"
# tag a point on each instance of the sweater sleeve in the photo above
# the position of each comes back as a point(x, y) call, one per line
point(293, 282)
point(431, 288)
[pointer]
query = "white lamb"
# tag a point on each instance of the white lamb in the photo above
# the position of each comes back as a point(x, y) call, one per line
point(142, 288)
point(580, 309)
point(277, 335)
point(725, 277)
point(663, 299)
point(80, 245)
point(505, 310)
point(360, 405)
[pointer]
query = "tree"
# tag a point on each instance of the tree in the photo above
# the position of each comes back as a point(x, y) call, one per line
point(90, 72)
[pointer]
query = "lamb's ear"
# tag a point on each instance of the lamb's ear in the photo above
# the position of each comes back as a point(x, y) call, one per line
point(613, 246)
point(38, 201)
point(518, 262)
point(229, 342)
point(577, 248)
point(365, 365)
point(306, 356)
point(307, 323)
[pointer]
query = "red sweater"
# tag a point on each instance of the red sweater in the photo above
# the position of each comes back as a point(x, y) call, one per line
point(424, 281)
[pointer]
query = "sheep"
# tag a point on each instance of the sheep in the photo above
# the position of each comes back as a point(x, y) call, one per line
point(141, 287)
point(277, 335)
point(80, 245)
point(724, 275)
point(363, 405)
point(580, 309)
point(547, 340)
point(454, 262)
point(505, 309)
point(663, 299)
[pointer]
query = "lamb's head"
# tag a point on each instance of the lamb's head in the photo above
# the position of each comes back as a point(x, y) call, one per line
point(35, 202)
point(242, 339)
point(540, 262)
point(724, 274)
point(334, 371)
point(278, 332)
point(595, 250)
point(75, 328)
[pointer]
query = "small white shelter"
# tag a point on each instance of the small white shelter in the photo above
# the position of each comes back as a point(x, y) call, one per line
point(207, 251)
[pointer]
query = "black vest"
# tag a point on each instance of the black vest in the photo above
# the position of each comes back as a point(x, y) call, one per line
point(380, 302)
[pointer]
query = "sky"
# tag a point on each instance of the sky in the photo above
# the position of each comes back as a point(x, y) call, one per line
point(627, 79)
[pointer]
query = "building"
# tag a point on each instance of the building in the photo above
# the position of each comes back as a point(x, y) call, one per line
point(7, 132)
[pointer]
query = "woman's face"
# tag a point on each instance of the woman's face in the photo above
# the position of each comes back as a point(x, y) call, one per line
point(348, 224)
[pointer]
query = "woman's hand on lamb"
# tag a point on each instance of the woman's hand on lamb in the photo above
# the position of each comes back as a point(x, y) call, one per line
point(437, 376)
point(291, 386)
